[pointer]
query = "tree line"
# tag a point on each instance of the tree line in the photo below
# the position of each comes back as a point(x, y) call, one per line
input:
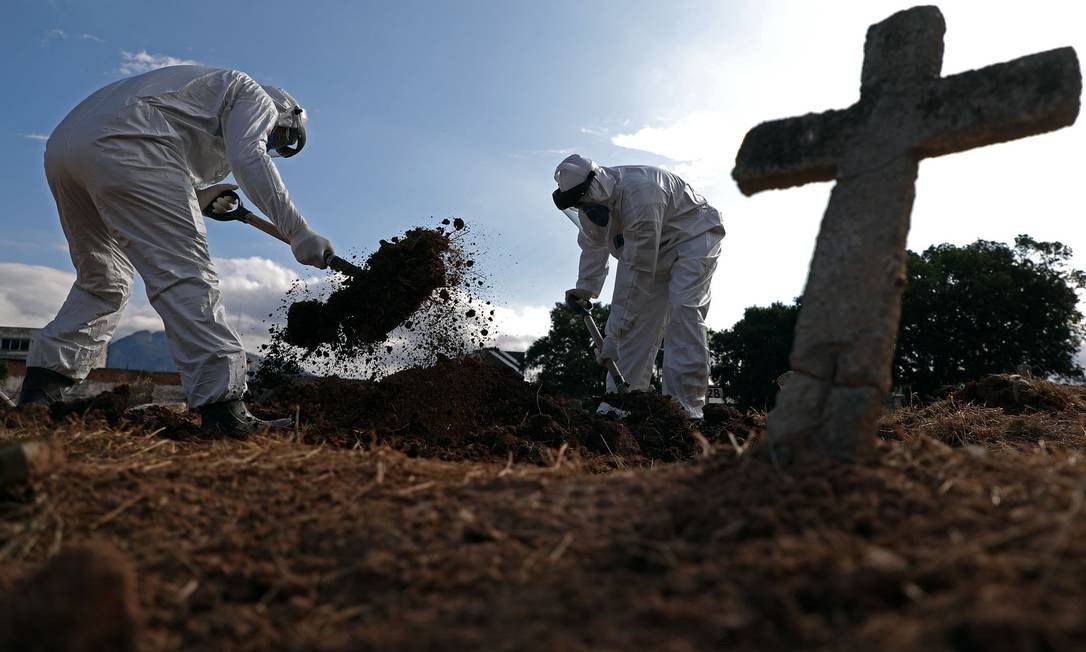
point(967, 311)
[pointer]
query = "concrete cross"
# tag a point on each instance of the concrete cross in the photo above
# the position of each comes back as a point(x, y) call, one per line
point(847, 327)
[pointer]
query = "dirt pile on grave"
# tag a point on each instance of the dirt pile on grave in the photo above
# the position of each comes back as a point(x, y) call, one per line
point(1017, 394)
point(111, 409)
point(469, 409)
point(998, 412)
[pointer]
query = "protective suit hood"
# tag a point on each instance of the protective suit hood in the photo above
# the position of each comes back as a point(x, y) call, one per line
point(288, 138)
point(574, 169)
point(285, 104)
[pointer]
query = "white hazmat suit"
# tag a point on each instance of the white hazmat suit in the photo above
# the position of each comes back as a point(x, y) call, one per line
point(666, 239)
point(123, 167)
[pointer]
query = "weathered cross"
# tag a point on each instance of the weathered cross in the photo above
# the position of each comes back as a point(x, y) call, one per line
point(847, 328)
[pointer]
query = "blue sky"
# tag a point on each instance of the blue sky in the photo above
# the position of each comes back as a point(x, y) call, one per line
point(422, 109)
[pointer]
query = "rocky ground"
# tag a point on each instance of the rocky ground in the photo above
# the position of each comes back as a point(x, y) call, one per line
point(514, 524)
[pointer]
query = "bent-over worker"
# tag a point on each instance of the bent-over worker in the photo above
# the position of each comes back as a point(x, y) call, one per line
point(666, 239)
point(125, 167)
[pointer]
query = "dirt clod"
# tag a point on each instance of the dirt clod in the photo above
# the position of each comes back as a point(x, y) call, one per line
point(392, 285)
point(406, 308)
point(83, 600)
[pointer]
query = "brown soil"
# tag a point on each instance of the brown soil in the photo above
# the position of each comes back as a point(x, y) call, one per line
point(290, 542)
point(392, 285)
point(468, 409)
point(84, 599)
point(111, 409)
point(1018, 394)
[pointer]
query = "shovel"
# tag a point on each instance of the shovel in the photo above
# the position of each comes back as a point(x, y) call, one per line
point(582, 311)
point(243, 214)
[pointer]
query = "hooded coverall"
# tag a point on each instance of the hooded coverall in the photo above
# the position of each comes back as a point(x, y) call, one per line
point(667, 240)
point(123, 167)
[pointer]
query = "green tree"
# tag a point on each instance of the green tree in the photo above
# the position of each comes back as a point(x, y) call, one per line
point(564, 355)
point(967, 311)
point(748, 357)
point(987, 308)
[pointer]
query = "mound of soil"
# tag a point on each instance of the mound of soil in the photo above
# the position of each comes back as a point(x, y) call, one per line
point(468, 409)
point(108, 406)
point(1017, 394)
point(663, 430)
point(110, 409)
point(392, 285)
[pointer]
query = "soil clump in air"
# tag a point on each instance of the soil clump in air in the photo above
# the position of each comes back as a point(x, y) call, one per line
point(417, 299)
point(393, 284)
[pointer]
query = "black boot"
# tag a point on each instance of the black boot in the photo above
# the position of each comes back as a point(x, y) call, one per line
point(44, 386)
point(233, 418)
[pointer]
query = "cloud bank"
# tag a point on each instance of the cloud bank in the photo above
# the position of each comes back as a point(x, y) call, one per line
point(134, 63)
point(253, 290)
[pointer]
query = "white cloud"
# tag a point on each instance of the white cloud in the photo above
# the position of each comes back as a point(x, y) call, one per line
point(516, 327)
point(143, 61)
point(33, 135)
point(699, 99)
point(61, 35)
point(53, 35)
point(31, 294)
point(698, 144)
point(252, 288)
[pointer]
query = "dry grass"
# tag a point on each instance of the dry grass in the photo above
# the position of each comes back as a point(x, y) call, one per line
point(966, 532)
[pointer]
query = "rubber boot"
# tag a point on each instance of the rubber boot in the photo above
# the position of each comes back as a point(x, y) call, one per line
point(232, 418)
point(43, 386)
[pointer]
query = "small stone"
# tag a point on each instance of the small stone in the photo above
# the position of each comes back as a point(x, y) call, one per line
point(26, 463)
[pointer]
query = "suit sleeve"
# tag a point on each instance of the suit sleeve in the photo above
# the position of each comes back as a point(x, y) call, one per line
point(592, 268)
point(246, 127)
point(637, 265)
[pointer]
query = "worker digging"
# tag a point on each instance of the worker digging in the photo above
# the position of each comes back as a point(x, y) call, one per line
point(666, 239)
point(141, 147)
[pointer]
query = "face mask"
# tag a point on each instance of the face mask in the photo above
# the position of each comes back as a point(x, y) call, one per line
point(564, 199)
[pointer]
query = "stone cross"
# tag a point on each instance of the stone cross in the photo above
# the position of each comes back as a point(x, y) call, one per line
point(847, 327)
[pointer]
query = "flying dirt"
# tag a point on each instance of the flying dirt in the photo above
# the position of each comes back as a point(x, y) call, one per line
point(417, 299)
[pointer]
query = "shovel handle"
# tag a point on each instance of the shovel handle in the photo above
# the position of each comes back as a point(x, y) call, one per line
point(264, 225)
point(243, 214)
point(578, 307)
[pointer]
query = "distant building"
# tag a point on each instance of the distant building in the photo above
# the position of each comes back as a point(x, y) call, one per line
point(160, 387)
point(513, 360)
point(15, 344)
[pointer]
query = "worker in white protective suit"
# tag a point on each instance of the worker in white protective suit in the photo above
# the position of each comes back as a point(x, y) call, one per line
point(126, 168)
point(666, 239)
